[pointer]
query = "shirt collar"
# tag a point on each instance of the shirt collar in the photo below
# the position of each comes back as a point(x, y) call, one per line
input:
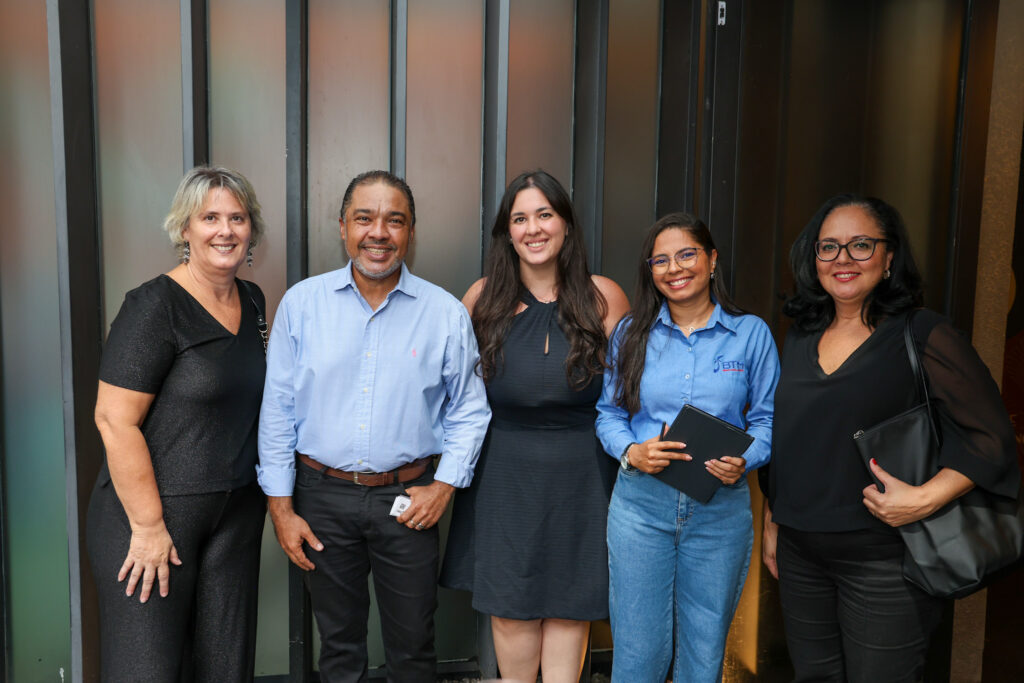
point(406, 282)
point(718, 317)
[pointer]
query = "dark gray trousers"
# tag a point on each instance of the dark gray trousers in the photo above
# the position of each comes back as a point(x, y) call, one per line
point(205, 629)
point(361, 538)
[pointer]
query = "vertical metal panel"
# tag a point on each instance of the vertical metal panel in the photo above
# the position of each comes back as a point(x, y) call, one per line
point(974, 93)
point(445, 50)
point(679, 100)
point(78, 258)
point(540, 87)
point(247, 66)
point(349, 110)
point(630, 135)
point(5, 593)
point(399, 83)
point(296, 148)
point(35, 611)
point(719, 144)
point(139, 130)
point(194, 84)
point(300, 618)
point(496, 38)
point(590, 87)
point(760, 247)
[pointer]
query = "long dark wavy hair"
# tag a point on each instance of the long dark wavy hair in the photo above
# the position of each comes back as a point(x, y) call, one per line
point(647, 300)
point(813, 309)
point(581, 307)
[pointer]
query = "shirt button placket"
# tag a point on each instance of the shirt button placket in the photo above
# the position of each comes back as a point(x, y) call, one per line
point(367, 371)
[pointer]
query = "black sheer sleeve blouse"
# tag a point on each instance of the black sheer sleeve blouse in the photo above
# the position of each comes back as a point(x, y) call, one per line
point(208, 385)
point(817, 475)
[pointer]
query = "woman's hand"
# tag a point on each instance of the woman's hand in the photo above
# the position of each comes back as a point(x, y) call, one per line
point(727, 468)
point(769, 541)
point(149, 553)
point(903, 503)
point(654, 455)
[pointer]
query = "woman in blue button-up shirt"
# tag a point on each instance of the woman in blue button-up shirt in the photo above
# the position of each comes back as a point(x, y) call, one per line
point(672, 559)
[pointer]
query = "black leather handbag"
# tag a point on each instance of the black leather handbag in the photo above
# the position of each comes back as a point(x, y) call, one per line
point(956, 550)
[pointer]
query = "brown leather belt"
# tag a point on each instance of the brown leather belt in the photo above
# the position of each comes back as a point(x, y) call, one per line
point(407, 472)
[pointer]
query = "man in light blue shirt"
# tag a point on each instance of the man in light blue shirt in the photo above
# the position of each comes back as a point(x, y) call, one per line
point(370, 375)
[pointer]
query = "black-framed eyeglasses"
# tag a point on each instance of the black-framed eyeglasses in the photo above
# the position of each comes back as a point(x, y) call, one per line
point(860, 249)
point(684, 258)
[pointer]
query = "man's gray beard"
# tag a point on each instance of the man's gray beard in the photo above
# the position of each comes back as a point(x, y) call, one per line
point(373, 275)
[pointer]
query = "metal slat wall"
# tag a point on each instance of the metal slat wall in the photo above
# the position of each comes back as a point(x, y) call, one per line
point(343, 114)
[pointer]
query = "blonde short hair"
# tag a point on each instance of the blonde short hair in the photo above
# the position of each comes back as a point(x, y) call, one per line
point(191, 195)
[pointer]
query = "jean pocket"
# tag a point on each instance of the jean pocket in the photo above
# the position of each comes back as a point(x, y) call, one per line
point(629, 474)
point(306, 477)
point(424, 479)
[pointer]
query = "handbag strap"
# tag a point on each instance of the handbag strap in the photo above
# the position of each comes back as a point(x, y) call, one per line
point(261, 322)
point(918, 370)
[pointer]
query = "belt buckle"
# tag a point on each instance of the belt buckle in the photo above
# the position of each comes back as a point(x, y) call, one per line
point(355, 477)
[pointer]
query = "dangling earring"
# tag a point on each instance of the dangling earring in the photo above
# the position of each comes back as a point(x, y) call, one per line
point(186, 254)
point(886, 274)
point(248, 256)
point(510, 239)
point(712, 271)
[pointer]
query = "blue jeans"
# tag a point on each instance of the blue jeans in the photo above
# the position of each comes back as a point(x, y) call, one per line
point(675, 566)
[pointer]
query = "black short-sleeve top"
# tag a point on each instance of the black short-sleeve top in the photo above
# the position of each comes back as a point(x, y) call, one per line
point(208, 384)
point(817, 476)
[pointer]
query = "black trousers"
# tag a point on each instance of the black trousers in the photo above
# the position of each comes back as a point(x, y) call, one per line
point(360, 538)
point(205, 629)
point(848, 612)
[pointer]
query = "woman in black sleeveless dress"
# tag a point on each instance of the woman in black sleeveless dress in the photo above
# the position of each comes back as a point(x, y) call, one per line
point(528, 537)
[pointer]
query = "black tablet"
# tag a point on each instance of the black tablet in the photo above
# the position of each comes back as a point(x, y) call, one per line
point(707, 438)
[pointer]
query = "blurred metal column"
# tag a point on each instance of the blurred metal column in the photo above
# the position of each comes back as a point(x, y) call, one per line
point(721, 126)
point(496, 29)
point(69, 37)
point(591, 84)
point(679, 79)
point(300, 614)
point(399, 83)
point(195, 83)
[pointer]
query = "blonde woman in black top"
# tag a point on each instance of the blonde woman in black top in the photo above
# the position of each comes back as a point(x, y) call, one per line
point(176, 516)
point(830, 535)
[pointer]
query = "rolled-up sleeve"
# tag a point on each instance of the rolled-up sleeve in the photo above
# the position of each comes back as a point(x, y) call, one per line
point(613, 424)
point(763, 361)
point(467, 413)
point(277, 435)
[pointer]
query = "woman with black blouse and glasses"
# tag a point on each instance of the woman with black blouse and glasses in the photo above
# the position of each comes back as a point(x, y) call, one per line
point(176, 516)
point(830, 534)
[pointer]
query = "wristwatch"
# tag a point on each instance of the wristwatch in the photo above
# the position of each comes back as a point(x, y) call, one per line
point(624, 459)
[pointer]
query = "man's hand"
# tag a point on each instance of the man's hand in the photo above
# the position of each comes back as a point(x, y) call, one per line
point(291, 531)
point(427, 506)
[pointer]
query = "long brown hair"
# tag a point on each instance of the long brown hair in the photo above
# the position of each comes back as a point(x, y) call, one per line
point(581, 307)
point(630, 359)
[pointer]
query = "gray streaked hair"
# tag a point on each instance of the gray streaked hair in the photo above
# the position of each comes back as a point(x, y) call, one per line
point(191, 195)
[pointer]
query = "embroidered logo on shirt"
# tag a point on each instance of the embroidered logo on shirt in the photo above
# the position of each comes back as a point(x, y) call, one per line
point(728, 365)
point(414, 353)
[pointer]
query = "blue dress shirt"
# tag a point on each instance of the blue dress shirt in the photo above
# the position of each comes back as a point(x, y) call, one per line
point(369, 391)
point(721, 369)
